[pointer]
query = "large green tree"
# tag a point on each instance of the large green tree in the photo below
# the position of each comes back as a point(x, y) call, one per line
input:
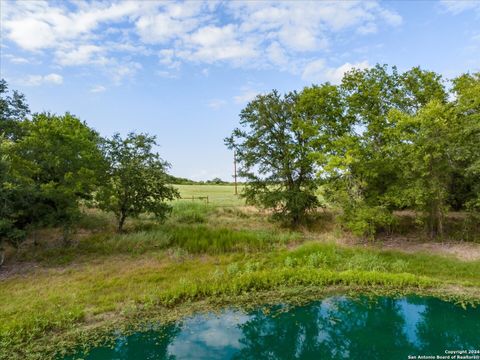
point(364, 173)
point(61, 156)
point(18, 197)
point(427, 148)
point(137, 180)
point(274, 147)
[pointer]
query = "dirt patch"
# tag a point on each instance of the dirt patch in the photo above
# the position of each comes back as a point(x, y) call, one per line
point(22, 268)
point(465, 251)
point(461, 250)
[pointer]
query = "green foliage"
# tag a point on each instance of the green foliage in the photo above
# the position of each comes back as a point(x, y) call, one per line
point(273, 151)
point(15, 199)
point(14, 196)
point(365, 175)
point(467, 155)
point(13, 109)
point(179, 180)
point(136, 179)
point(405, 146)
point(367, 221)
point(49, 170)
point(62, 155)
point(426, 147)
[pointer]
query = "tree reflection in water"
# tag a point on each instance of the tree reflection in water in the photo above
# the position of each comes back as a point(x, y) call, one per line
point(339, 327)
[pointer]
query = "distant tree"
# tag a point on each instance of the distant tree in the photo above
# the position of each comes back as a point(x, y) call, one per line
point(137, 181)
point(273, 149)
point(216, 181)
point(13, 109)
point(179, 180)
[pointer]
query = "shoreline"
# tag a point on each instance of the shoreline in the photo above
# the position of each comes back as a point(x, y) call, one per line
point(104, 330)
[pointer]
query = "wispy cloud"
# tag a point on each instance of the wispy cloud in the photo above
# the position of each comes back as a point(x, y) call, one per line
point(37, 80)
point(98, 89)
point(16, 59)
point(458, 6)
point(318, 71)
point(247, 94)
point(216, 103)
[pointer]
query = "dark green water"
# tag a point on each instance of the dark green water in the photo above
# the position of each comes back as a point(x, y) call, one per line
point(335, 328)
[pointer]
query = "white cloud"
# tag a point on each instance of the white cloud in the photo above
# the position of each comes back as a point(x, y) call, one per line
point(369, 28)
point(391, 17)
point(246, 95)
point(458, 6)
point(313, 70)
point(19, 60)
point(122, 70)
point(35, 25)
point(277, 54)
point(216, 104)
point(84, 54)
point(37, 80)
point(53, 78)
point(318, 71)
point(211, 44)
point(173, 22)
point(250, 34)
point(167, 74)
point(16, 59)
point(98, 89)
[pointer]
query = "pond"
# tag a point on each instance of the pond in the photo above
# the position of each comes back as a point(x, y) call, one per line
point(334, 328)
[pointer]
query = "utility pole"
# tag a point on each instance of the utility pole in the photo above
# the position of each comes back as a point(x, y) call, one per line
point(235, 170)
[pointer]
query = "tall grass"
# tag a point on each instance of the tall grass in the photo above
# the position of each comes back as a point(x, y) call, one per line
point(204, 239)
point(194, 239)
point(184, 212)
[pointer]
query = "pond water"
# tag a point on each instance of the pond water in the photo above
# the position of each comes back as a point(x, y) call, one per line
point(334, 328)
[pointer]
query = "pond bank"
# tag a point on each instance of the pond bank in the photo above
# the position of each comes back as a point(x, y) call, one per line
point(69, 296)
point(337, 326)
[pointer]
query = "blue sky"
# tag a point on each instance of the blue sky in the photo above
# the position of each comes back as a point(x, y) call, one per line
point(184, 70)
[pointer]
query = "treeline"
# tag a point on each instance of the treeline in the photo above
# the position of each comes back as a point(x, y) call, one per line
point(51, 165)
point(184, 181)
point(380, 141)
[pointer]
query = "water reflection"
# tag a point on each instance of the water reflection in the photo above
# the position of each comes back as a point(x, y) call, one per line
point(334, 328)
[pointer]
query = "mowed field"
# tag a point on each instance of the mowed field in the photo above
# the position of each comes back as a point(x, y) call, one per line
point(220, 195)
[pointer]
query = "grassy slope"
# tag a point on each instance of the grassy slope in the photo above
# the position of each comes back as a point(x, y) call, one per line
point(106, 280)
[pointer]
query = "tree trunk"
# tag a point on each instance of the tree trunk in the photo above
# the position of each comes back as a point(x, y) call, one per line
point(34, 236)
point(121, 222)
point(436, 220)
point(67, 230)
point(2, 256)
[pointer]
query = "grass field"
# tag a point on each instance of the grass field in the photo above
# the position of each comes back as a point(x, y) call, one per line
point(219, 195)
point(201, 258)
